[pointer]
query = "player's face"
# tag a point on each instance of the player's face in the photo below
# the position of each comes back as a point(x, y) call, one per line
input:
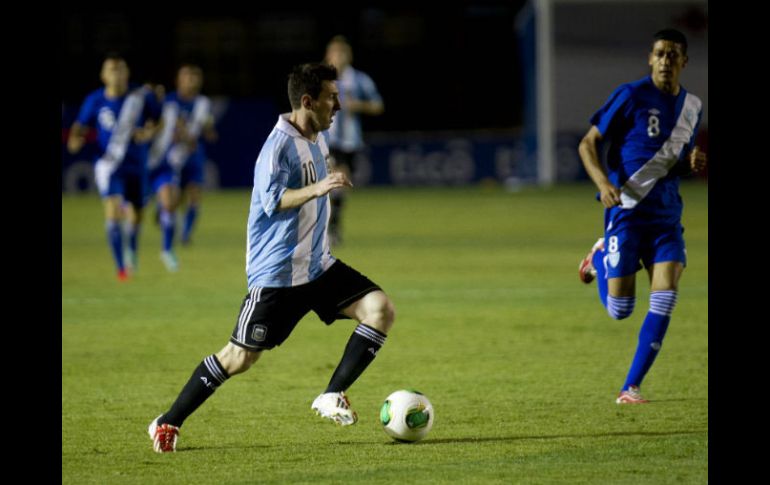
point(189, 80)
point(338, 55)
point(115, 74)
point(324, 108)
point(667, 61)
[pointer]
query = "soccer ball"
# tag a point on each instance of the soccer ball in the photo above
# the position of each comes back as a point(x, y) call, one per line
point(407, 415)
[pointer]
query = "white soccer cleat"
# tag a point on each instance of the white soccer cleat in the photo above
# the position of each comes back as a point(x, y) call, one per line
point(336, 407)
point(169, 261)
point(129, 260)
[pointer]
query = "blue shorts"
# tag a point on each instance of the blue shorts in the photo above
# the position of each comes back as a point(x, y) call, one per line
point(161, 176)
point(132, 186)
point(627, 243)
point(192, 172)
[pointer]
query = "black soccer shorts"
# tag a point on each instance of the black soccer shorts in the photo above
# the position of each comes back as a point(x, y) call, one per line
point(268, 315)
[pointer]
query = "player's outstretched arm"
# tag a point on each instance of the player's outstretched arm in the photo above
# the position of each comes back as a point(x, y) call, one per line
point(372, 108)
point(589, 154)
point(296, 197)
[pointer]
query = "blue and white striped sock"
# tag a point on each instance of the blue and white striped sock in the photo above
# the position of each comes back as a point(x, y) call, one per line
point(620, 307)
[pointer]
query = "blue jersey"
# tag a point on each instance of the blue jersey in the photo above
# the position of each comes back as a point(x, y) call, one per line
point(103, 113)
point(649, 132)
point(345, 133)
point(288, 247)
point(193, 114)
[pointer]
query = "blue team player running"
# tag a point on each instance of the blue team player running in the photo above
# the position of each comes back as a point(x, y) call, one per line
point(177, 156)
point(125, 120)
point(289, 267)
point(651, 126)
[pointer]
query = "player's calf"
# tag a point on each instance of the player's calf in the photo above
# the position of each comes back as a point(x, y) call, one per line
point(620, 307)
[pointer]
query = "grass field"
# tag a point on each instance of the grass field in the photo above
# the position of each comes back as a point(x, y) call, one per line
point(519, 359)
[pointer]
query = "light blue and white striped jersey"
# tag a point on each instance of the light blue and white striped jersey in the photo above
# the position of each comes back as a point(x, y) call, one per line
point(345, 133)
point(288, 247)
point(650, 132)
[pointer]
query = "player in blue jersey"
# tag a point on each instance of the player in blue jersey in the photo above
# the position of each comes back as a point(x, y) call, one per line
point(125, 118)
point(651, 126)
point(358, 96)
point(289, 267)
point(177, 156)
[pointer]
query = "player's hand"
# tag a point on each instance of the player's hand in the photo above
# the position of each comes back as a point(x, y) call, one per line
point(609, 195)
point(350, 104)
point(335, 180)
point(143, 135)
point(75, 143)
point(698, 160)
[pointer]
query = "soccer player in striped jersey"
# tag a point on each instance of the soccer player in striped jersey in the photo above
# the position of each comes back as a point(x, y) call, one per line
point(651, 126)
point(125, 118)
point(358, 96)
point(289, 267)
point(177, 157)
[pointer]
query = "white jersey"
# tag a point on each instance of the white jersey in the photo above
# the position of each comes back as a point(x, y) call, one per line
point(345, 133)
point(288, 247)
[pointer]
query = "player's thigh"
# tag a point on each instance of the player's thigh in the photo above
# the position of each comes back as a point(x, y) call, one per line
point(622, 245)
point(268, 316)
point(665, 275)
point(113, 207)
point(136, 190)
point(665, 244)
point(339, 288)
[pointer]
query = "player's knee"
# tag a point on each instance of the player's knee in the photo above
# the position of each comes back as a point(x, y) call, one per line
point(663, 302)
point(380, 312)
point(620, 307)
point(236, 360)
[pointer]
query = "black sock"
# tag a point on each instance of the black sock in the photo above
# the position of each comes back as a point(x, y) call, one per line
point(360, 352)
point(204, 381)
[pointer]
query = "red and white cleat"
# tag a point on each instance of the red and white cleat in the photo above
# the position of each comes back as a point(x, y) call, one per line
point(586, 269)
point(163, 436)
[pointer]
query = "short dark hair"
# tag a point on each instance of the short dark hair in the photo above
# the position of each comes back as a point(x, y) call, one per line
point(672, 35)
point(308, 79)
point(114, 56)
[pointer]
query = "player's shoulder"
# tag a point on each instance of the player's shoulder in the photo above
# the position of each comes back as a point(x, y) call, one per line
point(95, 95)
point(279, 143)
point(358, 75)
point(634, 88)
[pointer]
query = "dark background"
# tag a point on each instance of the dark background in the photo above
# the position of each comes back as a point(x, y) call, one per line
point(453, 67)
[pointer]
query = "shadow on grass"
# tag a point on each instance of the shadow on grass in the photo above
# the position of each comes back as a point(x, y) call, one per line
point(483, 439)
point(469, 439)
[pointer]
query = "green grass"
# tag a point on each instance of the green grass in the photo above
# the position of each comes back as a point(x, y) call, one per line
point(519, 359)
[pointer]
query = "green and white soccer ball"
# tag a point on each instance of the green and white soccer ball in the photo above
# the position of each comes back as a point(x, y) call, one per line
point(407, 415)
